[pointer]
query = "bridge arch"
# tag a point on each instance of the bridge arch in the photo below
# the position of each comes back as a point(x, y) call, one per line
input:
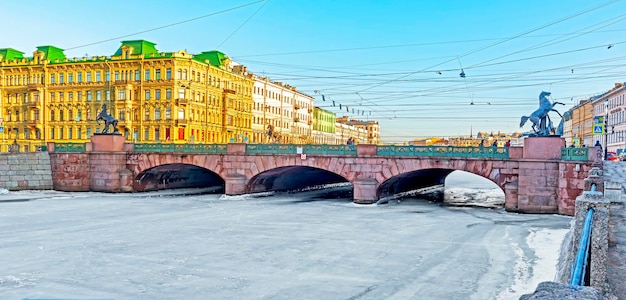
point(291, 178)
point(175, 176)
point(398, 174)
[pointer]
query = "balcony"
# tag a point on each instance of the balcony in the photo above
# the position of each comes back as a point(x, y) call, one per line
point(34, 86)
point(33, 122)
point(33, 104)
point(296, 119)
point(181, 122)
point(182, 101)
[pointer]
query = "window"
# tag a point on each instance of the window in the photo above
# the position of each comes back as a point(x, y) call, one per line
point(98, 95)
point(117, 75)
point(157, 114)
point(147, 94)
point(146, 114)
point(137, 75)
point(79, 77)
point(108, 95)
point(52, 76)
point(52, 97)
point(51, 115)
point(168, 94)
point(157, 134)
point(157, 94)
point(61, 115)
point(181, 93)
point(88, 95)
point(157, 75)
point(61, 78)
point(168, 73)
point(98, 76)
point(147, 76)
point(107, 76)
point(88, 132)
point(70, 78)
point(52, 133)
point(70, 115)
point(88, 76)
point(70, 133)
point(181, 114)
point(79, 116)
point(70, 95)
point(122, 114)
point(146, 133)
point(121, 95)
point(61, 96)
point(168, 114)
point(80, 96)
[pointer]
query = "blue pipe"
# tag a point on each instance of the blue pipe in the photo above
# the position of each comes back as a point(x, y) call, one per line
point(580, 265)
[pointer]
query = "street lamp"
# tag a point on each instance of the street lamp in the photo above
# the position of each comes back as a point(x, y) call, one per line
point(606, 128)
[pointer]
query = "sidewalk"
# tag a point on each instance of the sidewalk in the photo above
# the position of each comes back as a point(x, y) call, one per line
point(616, 268)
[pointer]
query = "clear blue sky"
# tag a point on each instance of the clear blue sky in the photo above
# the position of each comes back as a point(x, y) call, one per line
point(380, 58)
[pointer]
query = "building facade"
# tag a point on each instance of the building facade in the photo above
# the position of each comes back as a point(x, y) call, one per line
point(612, 107)
point(156, 96)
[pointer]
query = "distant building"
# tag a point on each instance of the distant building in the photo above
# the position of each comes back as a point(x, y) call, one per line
point(372, 128)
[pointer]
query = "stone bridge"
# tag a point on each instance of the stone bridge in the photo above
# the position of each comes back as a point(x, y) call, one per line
point(535, 178)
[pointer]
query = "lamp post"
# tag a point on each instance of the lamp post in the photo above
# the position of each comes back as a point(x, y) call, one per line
point(606, 122)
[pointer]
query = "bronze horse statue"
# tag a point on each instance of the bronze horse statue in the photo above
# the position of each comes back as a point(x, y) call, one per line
point(542, 125)
point(108, 120)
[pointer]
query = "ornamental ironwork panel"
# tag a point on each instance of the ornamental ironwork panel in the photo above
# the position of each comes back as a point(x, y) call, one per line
point(574, 153)
point(443, 151)
point(329, 149)
point(181, 148)
point(70, 147)
point(271, 149)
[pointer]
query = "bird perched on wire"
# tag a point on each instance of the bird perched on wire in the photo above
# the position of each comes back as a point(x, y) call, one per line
point(462, 74)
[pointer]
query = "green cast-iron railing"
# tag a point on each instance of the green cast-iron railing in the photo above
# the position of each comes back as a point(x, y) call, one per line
point(445, 151)
point(436, 151)
point(181, 148)
point(571, 153)
point(296, 149)
point(69, 147)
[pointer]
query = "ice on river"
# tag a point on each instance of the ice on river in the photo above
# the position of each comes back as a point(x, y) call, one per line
point(164, 245)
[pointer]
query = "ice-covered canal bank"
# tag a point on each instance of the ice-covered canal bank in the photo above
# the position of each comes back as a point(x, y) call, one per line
point(130, 246)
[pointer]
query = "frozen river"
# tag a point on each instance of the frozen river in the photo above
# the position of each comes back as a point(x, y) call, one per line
point(138, 246)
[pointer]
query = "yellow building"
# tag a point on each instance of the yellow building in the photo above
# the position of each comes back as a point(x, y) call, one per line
point(157, 97)
point(582, 123)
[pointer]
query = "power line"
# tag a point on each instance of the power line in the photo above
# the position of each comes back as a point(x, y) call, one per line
point(244, 22)
point(166, 26)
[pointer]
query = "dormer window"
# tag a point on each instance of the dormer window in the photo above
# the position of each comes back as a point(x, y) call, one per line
point(126, 52)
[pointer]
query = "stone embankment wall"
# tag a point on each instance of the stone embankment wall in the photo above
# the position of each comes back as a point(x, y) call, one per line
point(25, 171)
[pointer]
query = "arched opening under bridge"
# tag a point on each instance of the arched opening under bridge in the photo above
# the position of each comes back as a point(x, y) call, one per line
point(178, 176)
point(295, 178)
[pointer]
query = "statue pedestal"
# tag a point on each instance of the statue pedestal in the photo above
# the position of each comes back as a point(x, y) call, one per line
point(546, 147)
point(107, 142)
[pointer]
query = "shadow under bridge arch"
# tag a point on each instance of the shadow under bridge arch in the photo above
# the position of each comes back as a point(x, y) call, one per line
point(415, 182)
point(178, 176)
point(293, 178)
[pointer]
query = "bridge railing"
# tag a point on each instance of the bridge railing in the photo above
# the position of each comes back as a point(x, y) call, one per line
point(446, 151)
point(184, 148)
point(571, 153)
point(70, 147)
point(295, 149)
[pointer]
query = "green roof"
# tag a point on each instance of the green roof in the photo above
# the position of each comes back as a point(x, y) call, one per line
point(52, 53)
point(10, 54)
point(215, 58)
point(138, 47)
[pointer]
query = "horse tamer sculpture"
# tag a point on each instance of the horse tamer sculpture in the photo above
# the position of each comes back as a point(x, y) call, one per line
point(542, 125)
point(108, 120)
